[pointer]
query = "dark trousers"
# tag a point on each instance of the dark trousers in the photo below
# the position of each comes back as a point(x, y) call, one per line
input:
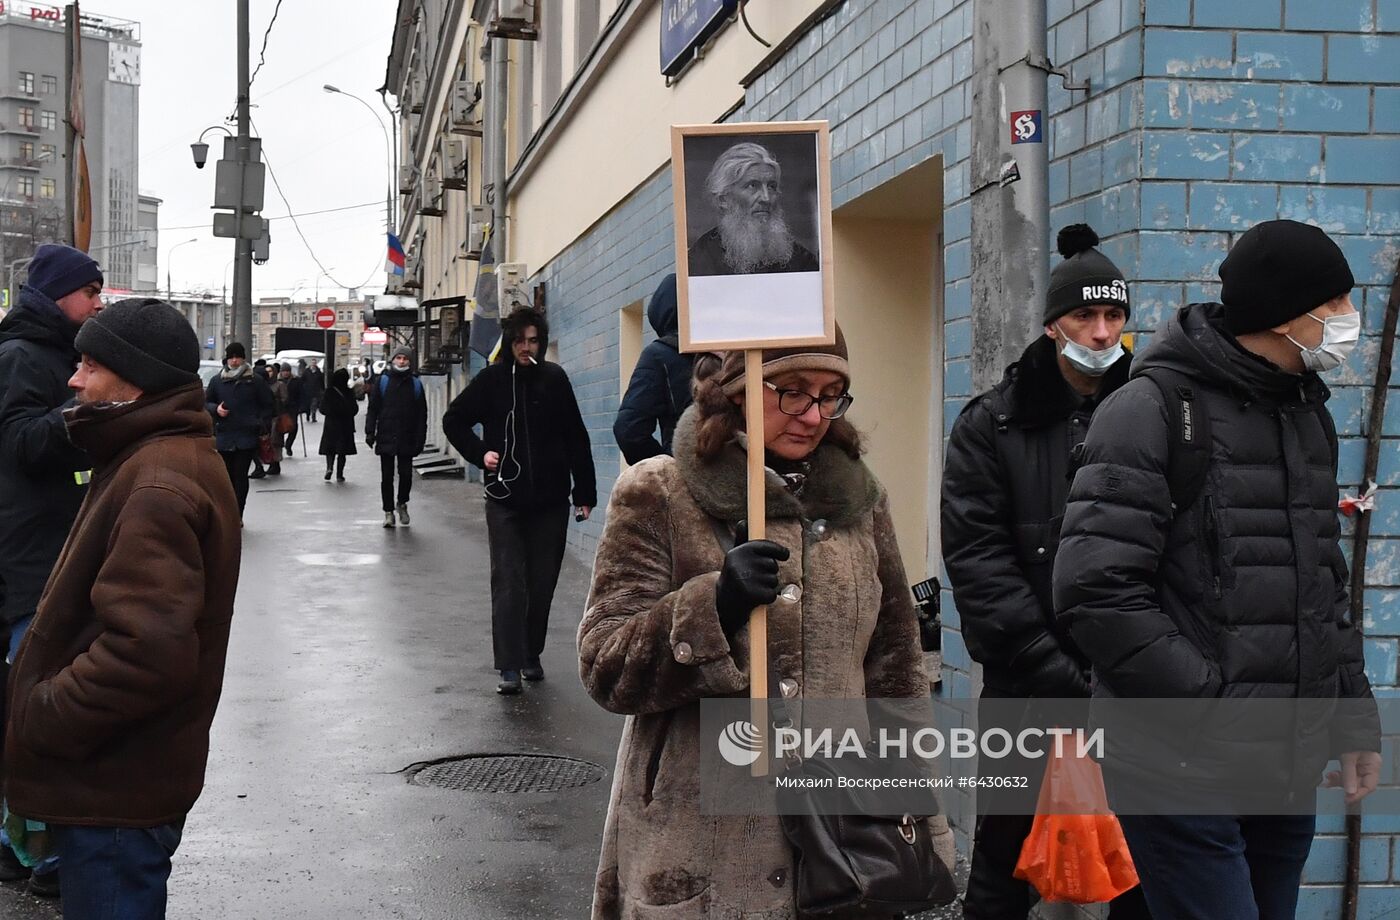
point(292, 434)
point(993, 891)
point(236, 462)
point(386, 478)
point(527, 549)
point(338, 460)
point(116, 873)
point(1220, 867)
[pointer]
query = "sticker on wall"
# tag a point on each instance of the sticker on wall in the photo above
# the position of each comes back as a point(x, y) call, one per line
point(1025, 127)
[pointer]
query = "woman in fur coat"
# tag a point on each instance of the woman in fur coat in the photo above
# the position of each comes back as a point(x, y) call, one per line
point(665, 627)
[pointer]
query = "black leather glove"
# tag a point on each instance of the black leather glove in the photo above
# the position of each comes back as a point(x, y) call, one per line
point(748, 579)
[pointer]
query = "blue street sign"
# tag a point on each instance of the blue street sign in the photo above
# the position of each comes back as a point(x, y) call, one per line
point(209, 342)
point(686, 25)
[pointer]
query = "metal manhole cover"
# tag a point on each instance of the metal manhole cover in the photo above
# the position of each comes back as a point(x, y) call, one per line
point(508, 773)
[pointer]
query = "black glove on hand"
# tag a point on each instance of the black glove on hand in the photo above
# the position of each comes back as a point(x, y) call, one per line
point(748, 579)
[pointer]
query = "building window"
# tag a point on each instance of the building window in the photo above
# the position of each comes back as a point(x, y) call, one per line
point(587, 14)
point(49, 84)
point(26, 150)
point(26, 82)
point(47, 188)
point(26, 186)
point(26, 117)
point(48, 151)
point(48, 120)
point(272, 317)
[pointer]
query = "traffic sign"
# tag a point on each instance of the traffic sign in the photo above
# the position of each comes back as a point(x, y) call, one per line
point(373, 336)
point(325, 317)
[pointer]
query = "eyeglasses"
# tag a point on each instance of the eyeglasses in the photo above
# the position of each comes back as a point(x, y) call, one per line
point(796, 402)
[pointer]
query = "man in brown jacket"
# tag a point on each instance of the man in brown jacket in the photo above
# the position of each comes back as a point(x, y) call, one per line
point(117, 680)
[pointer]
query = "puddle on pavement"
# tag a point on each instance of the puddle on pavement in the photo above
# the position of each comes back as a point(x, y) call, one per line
point(338, 559)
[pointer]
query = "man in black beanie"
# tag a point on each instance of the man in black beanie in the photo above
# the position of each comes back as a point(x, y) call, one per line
point(1004, 488)
point(43, 477)
point(116, 687)
point(1200, 561)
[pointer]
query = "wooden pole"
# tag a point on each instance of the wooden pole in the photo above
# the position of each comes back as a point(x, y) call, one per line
point(758, 529)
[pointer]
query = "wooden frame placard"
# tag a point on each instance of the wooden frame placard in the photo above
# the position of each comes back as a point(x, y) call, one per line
point(753, 235)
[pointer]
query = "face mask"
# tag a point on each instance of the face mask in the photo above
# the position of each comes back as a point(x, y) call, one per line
point(1339, 337)
point(1086, 360)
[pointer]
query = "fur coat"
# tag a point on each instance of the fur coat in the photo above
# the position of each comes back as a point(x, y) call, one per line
point(651, 648)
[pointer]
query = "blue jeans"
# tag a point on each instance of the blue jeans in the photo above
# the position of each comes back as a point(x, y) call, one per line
point(17, 631)
point(116, 873)
point(1220, 867)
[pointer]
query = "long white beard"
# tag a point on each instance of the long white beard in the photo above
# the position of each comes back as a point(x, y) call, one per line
point(750, 243)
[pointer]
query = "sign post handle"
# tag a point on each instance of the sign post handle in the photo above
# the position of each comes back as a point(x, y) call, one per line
point(758, 527)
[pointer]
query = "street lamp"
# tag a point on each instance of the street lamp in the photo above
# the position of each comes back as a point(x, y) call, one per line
point(168, 253)
point(388, 154)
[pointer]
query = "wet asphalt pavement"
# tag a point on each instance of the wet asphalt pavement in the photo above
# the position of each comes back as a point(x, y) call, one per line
point(356, 652)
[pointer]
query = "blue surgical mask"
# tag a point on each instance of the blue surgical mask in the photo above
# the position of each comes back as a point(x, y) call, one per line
point(1087, 360)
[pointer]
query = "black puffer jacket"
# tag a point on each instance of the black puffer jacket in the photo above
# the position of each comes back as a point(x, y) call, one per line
point(1242, 594)
point(1005, 481)
point(659, 390)
point(397, 422)
point(41, 481)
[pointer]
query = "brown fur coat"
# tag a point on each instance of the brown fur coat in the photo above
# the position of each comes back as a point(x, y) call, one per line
point(651, 648)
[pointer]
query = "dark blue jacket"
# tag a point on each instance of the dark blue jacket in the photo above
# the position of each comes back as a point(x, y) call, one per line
point(659, 390)
point(397, 422)
point(41, 473)
point(248, 399)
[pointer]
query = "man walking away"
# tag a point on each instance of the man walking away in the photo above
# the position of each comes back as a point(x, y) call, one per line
point(659, 390)
point(1004, 489)
point(1233, 590)
point(241, 405)
point(533, 445)
point(315, 384)
point(43, 477)
point(338, 432)
point(116, 684)
point(396, 426)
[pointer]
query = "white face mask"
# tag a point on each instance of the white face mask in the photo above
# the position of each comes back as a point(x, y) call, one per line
point(1087, 360)
point(1339, 337)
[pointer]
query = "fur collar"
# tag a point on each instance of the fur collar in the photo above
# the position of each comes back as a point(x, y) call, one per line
point(839, 489)
point(1039, 394)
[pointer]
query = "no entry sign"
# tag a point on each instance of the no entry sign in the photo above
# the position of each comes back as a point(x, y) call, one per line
point(325, 317)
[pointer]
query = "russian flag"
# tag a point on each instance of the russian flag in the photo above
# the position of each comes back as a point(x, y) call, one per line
point(396, 257)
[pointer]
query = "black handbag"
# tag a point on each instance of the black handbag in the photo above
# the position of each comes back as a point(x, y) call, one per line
point(851, 863)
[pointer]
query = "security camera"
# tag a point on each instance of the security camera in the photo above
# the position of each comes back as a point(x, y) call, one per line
point(201, 154)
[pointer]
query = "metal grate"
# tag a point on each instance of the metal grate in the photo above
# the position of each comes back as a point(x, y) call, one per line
point(507, 773)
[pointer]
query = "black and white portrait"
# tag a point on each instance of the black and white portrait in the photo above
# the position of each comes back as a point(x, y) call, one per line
point(752, 226)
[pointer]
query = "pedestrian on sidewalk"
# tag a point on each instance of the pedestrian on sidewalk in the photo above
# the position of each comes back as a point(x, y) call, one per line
point(279, 427)
point(116, 684)
point(43, 476)
point(338, 433)
point(1005, 482)
point(533, 445)
point(396, 426)
point(260, 371)
point(1232, 589)
point(294, 403)
point(241, 405)
point(315, 389)
point(664, 625)
point(659, 390)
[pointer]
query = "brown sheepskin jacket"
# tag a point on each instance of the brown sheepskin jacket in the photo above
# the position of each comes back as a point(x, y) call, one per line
point(118, 677)
point(651, 647)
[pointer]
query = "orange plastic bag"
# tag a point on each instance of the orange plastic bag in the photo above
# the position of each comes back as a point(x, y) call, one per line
point(1075, 851)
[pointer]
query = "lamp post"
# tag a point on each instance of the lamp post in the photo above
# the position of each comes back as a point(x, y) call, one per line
point(169, 295)
point(388, 155)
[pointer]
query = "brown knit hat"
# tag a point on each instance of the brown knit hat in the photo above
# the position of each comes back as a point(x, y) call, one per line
point(781, 360)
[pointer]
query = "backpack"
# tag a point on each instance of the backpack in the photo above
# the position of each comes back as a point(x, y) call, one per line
point(1188, 457)
point(384, 386)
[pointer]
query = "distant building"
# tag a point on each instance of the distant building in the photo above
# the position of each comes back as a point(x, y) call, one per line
point(33, 136)
point(147, 219)
point(273, 313)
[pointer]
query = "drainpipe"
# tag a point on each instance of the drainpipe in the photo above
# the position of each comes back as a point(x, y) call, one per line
point(499, 105)
point(1010, 182)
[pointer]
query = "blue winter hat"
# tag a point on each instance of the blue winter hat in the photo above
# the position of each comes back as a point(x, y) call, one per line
point(57, 270)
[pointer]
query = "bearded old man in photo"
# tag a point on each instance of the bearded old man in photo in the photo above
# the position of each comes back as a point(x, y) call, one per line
point(753, 237)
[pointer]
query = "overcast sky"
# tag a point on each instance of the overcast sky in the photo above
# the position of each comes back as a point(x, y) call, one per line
point(326, 150)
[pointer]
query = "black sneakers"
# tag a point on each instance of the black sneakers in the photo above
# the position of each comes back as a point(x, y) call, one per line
point(45, 884)
point(510, 683)
point(532, 672)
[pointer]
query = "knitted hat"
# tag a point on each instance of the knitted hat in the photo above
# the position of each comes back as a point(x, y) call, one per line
point(781, 360)
point(144, 341)
point(236, 350)
point(57, 270)
point(1277, 271)
point(1086, 277)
